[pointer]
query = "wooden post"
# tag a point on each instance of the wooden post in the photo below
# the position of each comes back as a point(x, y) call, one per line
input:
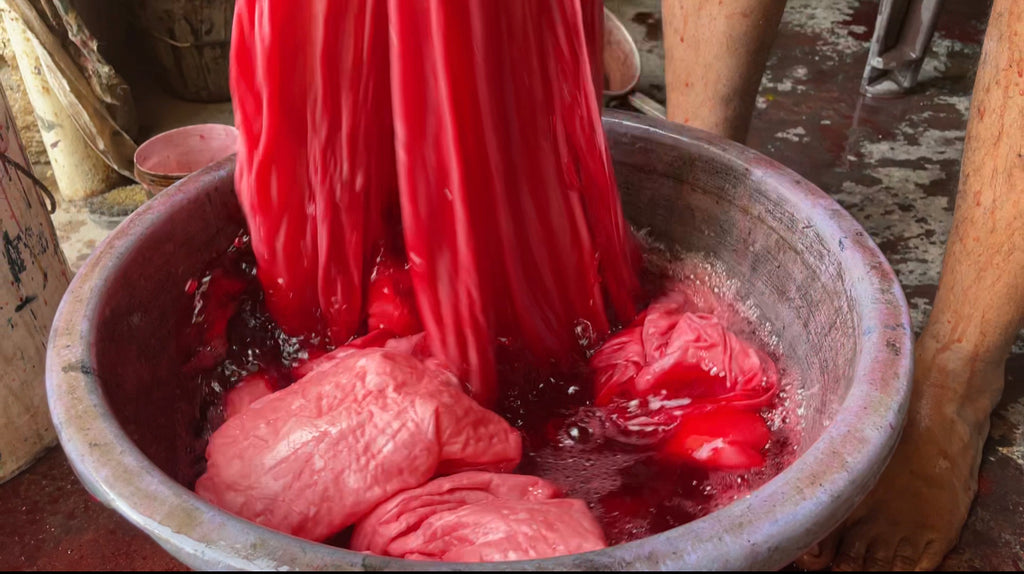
point(79, 170)
point(33, 278)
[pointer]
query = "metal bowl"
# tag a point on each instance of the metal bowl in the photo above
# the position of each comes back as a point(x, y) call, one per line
point(621, 58)
point(170, 156)
point(129, 427)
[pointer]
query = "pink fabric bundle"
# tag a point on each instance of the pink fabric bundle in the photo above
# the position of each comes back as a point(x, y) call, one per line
point(479, 517)
point(313, 458)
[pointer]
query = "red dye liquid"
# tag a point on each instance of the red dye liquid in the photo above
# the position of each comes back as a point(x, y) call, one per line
point(251, 341)
point(632, 491)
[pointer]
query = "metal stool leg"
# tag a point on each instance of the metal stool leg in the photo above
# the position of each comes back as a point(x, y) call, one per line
point(902, 33)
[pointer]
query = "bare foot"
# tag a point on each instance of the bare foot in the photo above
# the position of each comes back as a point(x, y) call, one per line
point(914, 515)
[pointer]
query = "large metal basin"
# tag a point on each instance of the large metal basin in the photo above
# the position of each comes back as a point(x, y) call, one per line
point(122, 414)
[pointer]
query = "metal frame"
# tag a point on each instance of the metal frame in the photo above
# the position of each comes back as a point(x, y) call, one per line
point(903, 31)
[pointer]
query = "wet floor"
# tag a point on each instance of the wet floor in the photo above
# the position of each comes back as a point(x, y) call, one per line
point(894, 164)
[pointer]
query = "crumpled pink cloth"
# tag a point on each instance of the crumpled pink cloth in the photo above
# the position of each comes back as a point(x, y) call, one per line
point(365, 424)
point(249, 390)
point(479, 517)
point(684, 381)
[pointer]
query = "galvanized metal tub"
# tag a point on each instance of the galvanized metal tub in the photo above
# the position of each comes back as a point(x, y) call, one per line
point(811, 269)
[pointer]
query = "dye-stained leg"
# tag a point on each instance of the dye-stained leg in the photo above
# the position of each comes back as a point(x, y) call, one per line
point(715, 55)
point(914, 515)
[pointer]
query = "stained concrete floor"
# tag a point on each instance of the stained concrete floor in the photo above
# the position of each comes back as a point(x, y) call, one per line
point(893, 164)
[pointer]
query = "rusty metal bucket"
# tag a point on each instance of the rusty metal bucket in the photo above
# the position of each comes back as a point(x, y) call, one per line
point(125, 422)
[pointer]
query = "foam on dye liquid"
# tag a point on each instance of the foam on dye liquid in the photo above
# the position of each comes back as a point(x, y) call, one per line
point(567, 440)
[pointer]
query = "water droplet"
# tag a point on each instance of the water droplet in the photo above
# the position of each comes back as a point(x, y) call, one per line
point(584, 333)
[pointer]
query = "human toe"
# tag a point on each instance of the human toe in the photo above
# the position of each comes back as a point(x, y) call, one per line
point(821, 555)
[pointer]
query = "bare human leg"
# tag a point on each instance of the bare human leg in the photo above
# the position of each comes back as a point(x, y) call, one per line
point(715, 54)
point(914, 515)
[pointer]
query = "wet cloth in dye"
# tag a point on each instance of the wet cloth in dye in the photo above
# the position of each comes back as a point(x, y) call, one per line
point(479, 517)
point(313, 458)
point(683, 380)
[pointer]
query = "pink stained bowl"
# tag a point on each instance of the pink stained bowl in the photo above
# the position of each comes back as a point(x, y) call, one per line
point(172, 155)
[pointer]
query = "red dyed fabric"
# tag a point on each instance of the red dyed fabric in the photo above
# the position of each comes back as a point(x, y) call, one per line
point(684, 376)
point(415, 346)
point(593, 30)
point(512, 221)
point(682, 356)
point(724, 438)
point(315, 173)
point(315, 457)
point(249, 390)
point(391, 302)
point(479, 517)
